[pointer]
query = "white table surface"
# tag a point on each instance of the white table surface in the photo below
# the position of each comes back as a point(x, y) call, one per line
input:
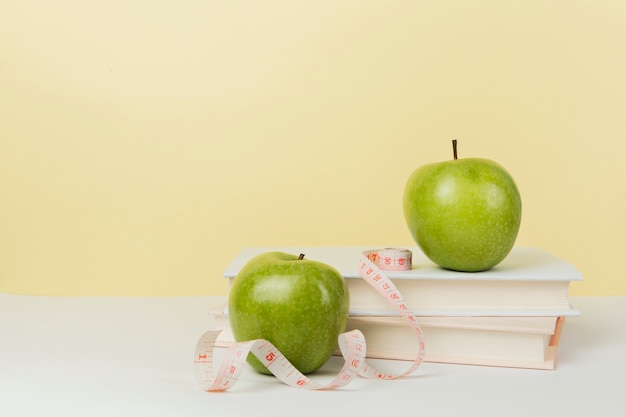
point(133, 356)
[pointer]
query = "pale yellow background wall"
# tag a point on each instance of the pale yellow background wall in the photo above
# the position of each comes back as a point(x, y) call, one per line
point(142, 144)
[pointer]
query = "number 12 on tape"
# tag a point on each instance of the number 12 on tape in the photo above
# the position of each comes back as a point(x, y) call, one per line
point(352, 344)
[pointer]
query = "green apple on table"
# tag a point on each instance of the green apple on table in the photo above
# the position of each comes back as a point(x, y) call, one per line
point(464, 214)
point(299, 305)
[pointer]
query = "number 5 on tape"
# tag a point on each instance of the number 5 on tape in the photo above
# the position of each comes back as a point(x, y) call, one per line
point(351, 344)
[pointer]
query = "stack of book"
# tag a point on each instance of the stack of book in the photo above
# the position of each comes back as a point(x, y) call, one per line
point(511, 315)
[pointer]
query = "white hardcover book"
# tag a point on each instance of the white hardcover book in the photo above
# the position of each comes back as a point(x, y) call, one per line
point(528, 282)
point(519, 342)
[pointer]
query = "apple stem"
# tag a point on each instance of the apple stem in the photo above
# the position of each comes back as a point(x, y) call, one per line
point(454, 148)
point(301, 256)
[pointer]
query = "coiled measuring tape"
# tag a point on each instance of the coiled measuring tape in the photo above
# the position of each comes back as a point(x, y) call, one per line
point(352, 344)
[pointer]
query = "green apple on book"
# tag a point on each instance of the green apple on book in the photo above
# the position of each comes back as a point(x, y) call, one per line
point(464, 213)
point(299, 305)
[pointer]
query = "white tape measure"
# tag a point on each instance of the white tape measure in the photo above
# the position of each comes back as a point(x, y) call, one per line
point(352, 344)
